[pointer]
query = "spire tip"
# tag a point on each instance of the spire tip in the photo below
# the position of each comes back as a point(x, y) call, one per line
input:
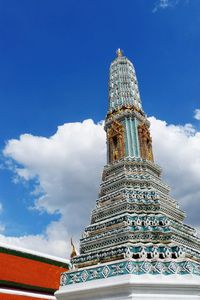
point(119, 52)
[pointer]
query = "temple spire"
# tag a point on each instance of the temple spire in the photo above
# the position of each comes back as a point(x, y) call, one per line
point(136, 227)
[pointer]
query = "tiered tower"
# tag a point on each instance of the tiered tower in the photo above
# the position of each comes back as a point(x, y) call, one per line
point(136, 227)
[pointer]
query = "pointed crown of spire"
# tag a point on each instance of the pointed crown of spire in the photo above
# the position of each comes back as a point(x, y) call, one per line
point(123, 86)
point(74, 252)
point(119, 52)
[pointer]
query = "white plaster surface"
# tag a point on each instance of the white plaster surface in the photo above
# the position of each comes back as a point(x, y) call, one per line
point(133, 287)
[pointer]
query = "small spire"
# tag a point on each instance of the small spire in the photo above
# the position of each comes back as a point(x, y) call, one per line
point(74, 251)
point(119, 52)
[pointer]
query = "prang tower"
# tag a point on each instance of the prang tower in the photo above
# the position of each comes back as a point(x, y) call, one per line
point(136, 235)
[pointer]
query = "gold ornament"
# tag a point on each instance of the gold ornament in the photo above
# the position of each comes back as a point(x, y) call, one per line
point(116, 146)
point(119, 52)
point(74, 251)
point(145, 142)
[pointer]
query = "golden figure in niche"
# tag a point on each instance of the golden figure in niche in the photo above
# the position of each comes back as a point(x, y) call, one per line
point(115, 137)
point(145, 141)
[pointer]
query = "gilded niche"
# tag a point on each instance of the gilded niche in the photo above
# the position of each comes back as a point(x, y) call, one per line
point(115, 138)
point(145, 141)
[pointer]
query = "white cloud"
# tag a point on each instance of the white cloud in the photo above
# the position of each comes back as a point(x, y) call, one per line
point(197, 114)
point(54, 240)
point(68, 166)
point(163, 4)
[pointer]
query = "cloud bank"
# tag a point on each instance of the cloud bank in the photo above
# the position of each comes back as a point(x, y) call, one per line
point(67, 168)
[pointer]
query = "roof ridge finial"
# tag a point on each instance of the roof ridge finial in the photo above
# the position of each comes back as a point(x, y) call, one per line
point(119, 52)
point(74, 251)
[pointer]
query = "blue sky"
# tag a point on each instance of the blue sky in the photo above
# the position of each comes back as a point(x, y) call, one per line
point(54, 62)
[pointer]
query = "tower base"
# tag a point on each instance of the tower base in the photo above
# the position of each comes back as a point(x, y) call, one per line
point(134, 287)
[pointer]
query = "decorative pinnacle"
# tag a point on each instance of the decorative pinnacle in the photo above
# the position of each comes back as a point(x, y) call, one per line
point(74, 251)
point(119, 52)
